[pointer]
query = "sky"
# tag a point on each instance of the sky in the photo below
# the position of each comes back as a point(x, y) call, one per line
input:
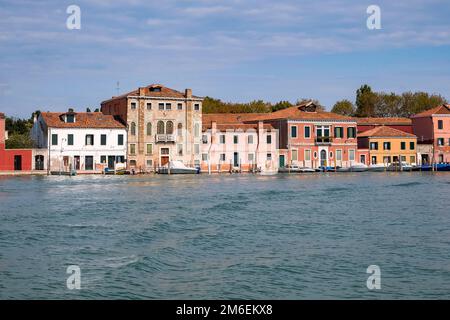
point(234, 50)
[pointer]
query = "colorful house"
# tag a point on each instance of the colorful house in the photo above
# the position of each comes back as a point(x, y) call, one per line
point(388, 145)
point(13, 159)
point(309, 137)
point(232, 142)
point(432, 128)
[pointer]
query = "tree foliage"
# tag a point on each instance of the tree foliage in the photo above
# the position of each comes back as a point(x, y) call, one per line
point(344, 107)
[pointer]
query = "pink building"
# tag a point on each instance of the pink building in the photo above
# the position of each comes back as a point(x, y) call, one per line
point(432, 128)
point(309, 137)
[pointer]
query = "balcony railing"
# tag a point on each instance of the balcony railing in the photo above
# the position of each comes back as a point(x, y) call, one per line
point(324, 140)
point(165, 138)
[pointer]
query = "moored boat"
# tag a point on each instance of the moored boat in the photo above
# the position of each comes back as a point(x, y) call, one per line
point(379, 167)
point(177, 167)
point(358, 167)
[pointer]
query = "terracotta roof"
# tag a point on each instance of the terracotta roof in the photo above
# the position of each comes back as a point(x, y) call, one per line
point(384, 131)
point(164, 92)
point(232, 121)
point(296, 113)
point(443, 109)
point(383, 121)
point(96, 120)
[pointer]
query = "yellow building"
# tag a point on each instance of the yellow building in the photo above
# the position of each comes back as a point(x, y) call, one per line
point(388, 145)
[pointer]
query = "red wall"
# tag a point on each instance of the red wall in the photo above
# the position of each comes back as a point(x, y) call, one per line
point(404, 128)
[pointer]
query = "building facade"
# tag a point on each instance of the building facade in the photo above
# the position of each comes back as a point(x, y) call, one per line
point(231, 144)
point(87, 142)
point(432, 128)
point(162, 125)
point(387, 145)
point(402, 124)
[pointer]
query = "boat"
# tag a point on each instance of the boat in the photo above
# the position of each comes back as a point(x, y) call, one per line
point(343, 169)
point(379, 167)
point(295, 169)
point(397, 166)
point(64, 173)
point(358, 167)
point(177, 167)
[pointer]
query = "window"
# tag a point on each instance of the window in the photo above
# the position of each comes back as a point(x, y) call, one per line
point(315, 154)
point(440, 141)
point(269, 156)
point(374, 160)
point(149, 106)
point(70, 118)
point(331, 154)
point(235, 139)
point(133, 163)
point(133, 129)
point(307, 155)
point(155, 89)
point(149, 128)
point(197, 130)
point(180, 149)
point(351, 132)
point(403, 145)
point(89, 139)
point(250, 139)
point(168, 106)
point(132, 149)
point(103, 139)
point(89, 163)
point(196, 148)
point(412, 159)
point(197, 107)
point(222, 157)
point(180, 129)
point(386, 146)
point(307, 132)
point(293, 131)
point(102, 159)
point(120, 139)
point(440, 124)
point(204, 157)
point(54, 139)
point(338, 132)
point(160, 127)
point(403, 159)
point(180, 106)
point(251, 156)
point(164, 151)
point(374, 146)
point(222, 138)
point(338, 155)
point(387, 159)
point(70, 139)
point(441, 158)
point(323, 132)
point(269, 139)
point(149, 163)
point(294, 155)
point(161, 106)
point(351, 155)
point(169, 127)
point(133, 106)
point(149, 149)
point(205, 139)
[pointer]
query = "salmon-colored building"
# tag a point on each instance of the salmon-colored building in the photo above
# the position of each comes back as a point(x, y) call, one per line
point(309, 137)
point(432, 128)
point(13, 159)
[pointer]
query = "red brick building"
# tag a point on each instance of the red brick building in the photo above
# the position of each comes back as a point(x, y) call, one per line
point(402, 124)
point(13, 159)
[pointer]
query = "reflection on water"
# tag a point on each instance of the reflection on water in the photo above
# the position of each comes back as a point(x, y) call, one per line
point(226, 236)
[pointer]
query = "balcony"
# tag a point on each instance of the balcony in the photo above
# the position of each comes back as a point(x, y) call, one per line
point(165, 138)
point(324, 140)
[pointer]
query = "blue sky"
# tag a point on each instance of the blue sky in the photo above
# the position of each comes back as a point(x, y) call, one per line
point(235, 50)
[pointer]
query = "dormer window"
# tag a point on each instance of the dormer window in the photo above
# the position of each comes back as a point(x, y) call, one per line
point(155, 89)
point(70, 118)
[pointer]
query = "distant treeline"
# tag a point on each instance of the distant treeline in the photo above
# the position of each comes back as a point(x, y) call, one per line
point(19, 132)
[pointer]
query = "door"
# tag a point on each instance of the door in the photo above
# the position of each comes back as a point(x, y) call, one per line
point(39, 162)
point(236, 159)
point(323, 158)
point(164, 160)
point(76, 160)
point(17, 162)
point(111, 162)
point(282, 161)
point(363, 159)
point(89, 163)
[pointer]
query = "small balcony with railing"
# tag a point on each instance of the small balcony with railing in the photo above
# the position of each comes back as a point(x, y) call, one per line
point(324, 140)
point(163, 138)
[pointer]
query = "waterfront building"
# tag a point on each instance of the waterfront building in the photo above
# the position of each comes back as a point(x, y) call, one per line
point(388, 145)
point(13, 159)
point(86, 142)
point(162, 125)
point(432, 128)
point(233, 142)
point(310, 137)
point(403, 124)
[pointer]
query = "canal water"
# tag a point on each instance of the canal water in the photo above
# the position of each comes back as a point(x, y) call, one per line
point(226, 237)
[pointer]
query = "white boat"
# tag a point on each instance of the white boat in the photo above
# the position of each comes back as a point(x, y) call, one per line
point(403, 166)
point(380, 167)
point(177, 167)
point(268, 172)
point(295, 169)
point(358, 167)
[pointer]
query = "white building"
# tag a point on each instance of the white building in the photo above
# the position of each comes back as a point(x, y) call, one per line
point(83, 141)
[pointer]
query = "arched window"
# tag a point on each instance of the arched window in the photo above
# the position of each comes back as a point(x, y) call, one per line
point(149, 128)
point(169, 127)
point(160, 127)
point(180, 129)
point(133, 129)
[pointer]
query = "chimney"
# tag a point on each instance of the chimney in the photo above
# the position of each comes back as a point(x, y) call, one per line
point(142, 91)
point(188, 93)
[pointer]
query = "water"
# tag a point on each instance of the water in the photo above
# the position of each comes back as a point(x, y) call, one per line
point(226, 237)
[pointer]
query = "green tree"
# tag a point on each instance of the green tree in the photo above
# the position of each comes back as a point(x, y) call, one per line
point(344, 107)
point(387, 105)
point(19, 141)
point(365, 101)
point(281, 105)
